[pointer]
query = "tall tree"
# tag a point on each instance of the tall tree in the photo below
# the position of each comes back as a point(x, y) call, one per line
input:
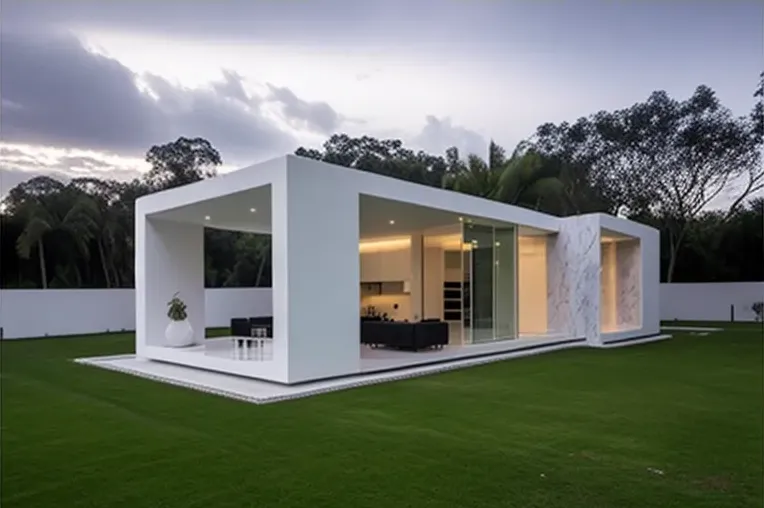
point(381, 156)
point(181, 162)
point(663, 157)
point(757, 115)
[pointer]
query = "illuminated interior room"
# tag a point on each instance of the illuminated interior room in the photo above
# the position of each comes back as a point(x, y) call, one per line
point(486, 279)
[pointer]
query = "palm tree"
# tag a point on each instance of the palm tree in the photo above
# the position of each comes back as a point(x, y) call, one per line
point(107, 213)
point(530, 180)
point(472, 177)
point(37, 224)
point(45, 212)
point(524, 179)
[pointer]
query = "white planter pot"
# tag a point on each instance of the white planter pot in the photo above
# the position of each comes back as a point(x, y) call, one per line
point(179, 334)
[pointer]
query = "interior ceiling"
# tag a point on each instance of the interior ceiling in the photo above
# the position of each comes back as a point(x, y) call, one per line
point(378, 218)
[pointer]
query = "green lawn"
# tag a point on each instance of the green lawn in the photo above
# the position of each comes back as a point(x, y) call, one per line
point(670, 424)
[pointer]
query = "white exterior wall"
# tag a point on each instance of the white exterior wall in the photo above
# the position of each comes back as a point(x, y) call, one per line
point(316, 273)
point(709, 301)
point(86, 311)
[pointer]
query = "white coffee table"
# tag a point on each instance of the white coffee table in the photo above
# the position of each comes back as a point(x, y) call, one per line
point(250, 348)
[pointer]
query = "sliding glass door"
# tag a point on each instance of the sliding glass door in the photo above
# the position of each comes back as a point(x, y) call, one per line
point(505, 283)
point(491, 271)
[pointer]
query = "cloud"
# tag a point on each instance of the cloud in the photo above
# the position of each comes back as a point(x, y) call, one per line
point(238, 20)
point(316, 116)
point(57, 93)
point(19, 163)
point(232, 87)
point(439, 134)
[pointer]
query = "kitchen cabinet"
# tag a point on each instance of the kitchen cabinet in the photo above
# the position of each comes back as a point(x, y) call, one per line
point(386, 266)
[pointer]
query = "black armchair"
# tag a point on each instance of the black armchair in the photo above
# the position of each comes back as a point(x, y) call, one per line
point(240, 327)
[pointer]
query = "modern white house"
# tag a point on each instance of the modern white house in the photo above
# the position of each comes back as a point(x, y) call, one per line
point(458, 276)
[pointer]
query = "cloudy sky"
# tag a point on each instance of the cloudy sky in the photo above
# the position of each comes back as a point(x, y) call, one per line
point(88, 86)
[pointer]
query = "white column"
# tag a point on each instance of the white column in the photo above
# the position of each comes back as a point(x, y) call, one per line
point(169, 259)
point(316, 287)
point(650, 275)
point(415, 282)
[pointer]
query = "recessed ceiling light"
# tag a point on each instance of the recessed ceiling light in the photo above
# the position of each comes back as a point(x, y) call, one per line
point(253, 210)
point(206, 217)
point(392, 222)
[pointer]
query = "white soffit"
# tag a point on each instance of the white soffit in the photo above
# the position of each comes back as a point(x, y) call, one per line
point(380, 217)
point(249, 210)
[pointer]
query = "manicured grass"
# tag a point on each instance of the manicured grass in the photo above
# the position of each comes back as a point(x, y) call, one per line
point(670, 424)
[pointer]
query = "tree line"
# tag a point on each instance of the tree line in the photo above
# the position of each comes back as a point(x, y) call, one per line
point(661, 162)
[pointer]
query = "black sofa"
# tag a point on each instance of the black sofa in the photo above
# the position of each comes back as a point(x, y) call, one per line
point(403, 335)
point(242, 327)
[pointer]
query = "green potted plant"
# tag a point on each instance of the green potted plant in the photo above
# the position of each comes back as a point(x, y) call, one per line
point(178, 332)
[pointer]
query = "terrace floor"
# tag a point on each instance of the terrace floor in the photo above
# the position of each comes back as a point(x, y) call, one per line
point(219, 355)
point(378, 366)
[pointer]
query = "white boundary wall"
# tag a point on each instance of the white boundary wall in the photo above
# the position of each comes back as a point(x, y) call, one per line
point(37, 313)
point(701, 301)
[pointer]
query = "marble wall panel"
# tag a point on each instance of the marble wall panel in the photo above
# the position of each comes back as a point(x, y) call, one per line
point(574, 277)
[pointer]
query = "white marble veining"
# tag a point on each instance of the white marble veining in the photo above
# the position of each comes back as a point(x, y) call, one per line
point(628, 283)
point(574, 278)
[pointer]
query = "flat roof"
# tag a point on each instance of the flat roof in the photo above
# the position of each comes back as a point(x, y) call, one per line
point(233, 195)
